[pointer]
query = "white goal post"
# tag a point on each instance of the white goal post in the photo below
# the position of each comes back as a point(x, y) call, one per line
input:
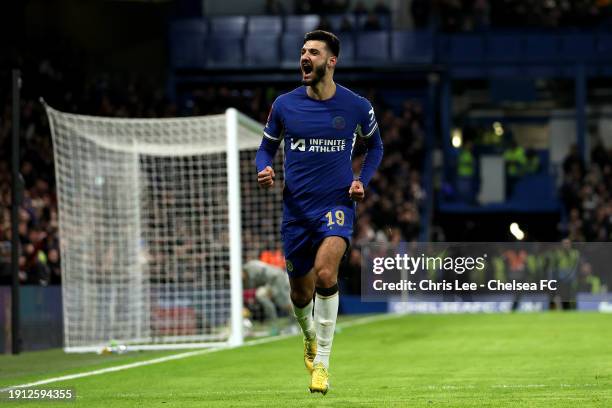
point(156, 218)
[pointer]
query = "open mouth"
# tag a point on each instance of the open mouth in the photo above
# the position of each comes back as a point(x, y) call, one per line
point(306, 68)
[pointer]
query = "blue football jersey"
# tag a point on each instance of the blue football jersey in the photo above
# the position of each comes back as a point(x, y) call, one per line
point(319, 139)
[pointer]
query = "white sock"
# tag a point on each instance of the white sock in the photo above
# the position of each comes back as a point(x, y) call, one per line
point(326, 312)
point(303, 315)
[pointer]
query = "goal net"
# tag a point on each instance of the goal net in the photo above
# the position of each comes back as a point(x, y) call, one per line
point(157, 217)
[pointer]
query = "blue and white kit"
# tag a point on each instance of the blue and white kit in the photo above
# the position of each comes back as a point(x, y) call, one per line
point(319, 138)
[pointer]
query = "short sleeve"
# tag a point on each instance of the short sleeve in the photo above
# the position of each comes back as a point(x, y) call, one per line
point(367, 120)
point(274, 126)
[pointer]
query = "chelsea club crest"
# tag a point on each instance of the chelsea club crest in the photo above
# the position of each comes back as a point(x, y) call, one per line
point(338, 122)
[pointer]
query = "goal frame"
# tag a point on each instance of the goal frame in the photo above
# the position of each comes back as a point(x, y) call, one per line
point(232, 149)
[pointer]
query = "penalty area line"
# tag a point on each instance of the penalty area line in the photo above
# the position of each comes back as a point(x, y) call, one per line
point(180, 356)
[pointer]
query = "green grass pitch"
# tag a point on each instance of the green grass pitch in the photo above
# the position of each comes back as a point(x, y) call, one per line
point(515, 360)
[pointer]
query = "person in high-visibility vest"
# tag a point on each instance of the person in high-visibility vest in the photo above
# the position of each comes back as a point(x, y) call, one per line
point(515, 160)
point(465, 164)
point(465, 172)
point(567, 258)
point(567, 261)
point(532, 162)
point(587, 282)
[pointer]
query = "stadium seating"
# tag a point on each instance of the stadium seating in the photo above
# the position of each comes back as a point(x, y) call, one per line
point(265, 25)
point(187, 43)
point(372, 46)
point(261, 50)
point(291, 43)
point(412, 47)
point(497, 54)
point(384, 21)
point(231, 25)
point(335, 20)
point(347, 48)
point(225, 51)
point(301, 24)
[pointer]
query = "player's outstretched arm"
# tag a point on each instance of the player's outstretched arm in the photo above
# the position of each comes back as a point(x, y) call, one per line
point(263, 161)
point(370, 164)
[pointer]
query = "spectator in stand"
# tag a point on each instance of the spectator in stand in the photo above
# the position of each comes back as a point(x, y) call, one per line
point(587, 282)
point(469, 15)
point(5, 262)
point(381, 8)
point(481, 11)
point(599, 155)
point(532, 164)
point(335, 6)
point(324, 24)
point(573, 161)
point(514, 160)
point(466, 172)
point(372, 23)
point(53, 261)
point(360, 8)
point(396, 191)
point(450, 15)
point(275, 8)
point(586, 193)
point(395, 197)
point(346, 24)
point(420, 10)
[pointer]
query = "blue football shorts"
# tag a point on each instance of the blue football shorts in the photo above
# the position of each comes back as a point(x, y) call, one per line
point(301, 238)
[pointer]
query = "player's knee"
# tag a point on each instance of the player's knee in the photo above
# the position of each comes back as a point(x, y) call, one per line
point(300, 297)
point(326, 276)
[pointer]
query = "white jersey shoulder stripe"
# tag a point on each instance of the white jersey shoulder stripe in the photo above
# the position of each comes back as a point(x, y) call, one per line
point(266, 135)
point(371, 131)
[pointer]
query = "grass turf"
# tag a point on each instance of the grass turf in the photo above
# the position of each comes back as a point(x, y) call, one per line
point(515, 360)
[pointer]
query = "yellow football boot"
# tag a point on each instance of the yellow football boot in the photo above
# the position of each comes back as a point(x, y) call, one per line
point(310, 351)
point(319, 379)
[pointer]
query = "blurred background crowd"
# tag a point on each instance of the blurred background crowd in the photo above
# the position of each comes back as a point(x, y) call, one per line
point(73, 80)
point(391, 211)
point(464, 15)
point(587, 195)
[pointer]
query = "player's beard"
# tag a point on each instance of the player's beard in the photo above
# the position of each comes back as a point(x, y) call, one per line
point(318, 72)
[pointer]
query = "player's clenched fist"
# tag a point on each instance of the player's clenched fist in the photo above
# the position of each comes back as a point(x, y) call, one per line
point(357, 192)
point(265, 178)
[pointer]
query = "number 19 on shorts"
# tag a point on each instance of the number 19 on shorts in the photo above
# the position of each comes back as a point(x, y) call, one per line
point(336, 217)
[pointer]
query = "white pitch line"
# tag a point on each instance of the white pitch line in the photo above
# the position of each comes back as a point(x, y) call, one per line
point(111, 369)
point(356, 322)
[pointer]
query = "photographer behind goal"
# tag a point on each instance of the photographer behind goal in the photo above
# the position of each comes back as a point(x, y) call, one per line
point(272, 288)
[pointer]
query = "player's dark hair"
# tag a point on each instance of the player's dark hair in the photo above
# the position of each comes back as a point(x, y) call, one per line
point(332, 42)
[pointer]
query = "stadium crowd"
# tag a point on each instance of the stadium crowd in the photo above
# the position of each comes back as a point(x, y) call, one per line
point(357, 16)
point(328, 7)
point(470, 15)
point(39, 259)
point(390, 212)
point(587, 195)
point(460, 15)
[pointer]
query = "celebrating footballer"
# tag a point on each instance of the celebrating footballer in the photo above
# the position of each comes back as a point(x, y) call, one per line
point(319, 123)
